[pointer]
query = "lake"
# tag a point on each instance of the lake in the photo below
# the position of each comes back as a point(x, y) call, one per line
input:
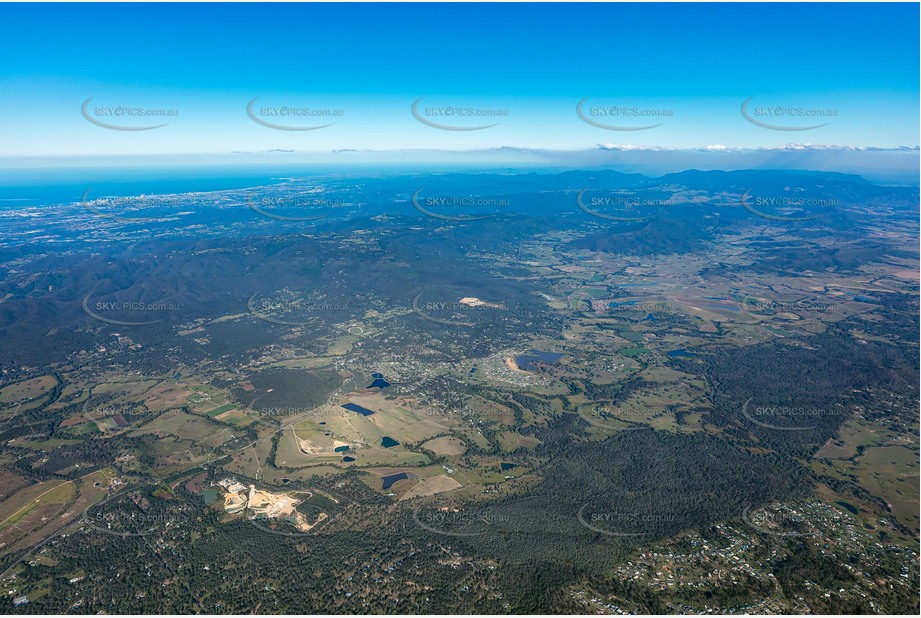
point(354, 407)
point(388, 481)
point(379, 381)
point(526, 362)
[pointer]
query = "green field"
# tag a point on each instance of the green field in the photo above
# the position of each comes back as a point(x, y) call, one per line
point(221, 409)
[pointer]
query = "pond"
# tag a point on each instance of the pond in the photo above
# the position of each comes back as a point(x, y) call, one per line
point(388, 481)
point(379, 381)
point(354, 407)
point(850, 507)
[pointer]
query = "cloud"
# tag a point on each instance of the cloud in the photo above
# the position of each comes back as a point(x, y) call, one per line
point(783, 148)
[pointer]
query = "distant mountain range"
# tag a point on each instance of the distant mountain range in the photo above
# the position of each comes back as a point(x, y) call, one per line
point(892, 165)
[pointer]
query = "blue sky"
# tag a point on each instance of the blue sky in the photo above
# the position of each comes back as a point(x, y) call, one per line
point(692, 65)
